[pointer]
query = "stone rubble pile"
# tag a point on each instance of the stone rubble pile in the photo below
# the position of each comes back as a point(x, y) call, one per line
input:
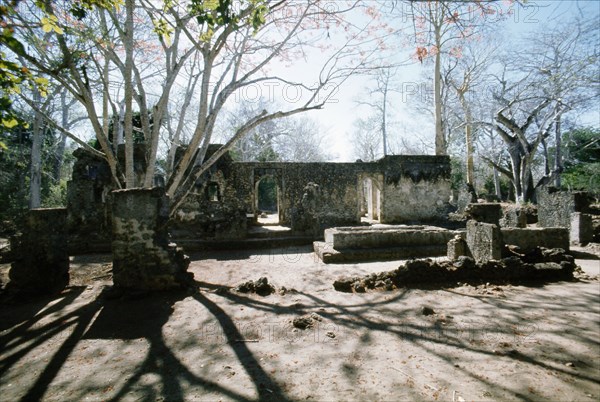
point(538, 265)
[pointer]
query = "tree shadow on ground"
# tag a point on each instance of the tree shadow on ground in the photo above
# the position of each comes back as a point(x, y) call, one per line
point(34, 332)
point(437, 338)
point(145, 318)
point(122, 318)
point(73, 319)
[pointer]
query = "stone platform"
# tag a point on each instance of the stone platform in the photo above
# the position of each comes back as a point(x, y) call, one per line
point(382, 242)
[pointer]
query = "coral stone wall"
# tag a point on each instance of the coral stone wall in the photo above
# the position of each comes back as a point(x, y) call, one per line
point(414, 189)
point(555, 207)
point(42, 259)
point(143, 258)
point(417, 188)
point(311, 196)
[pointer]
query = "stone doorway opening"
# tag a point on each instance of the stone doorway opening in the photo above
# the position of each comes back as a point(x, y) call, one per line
point(370, 186)
point(267, 200)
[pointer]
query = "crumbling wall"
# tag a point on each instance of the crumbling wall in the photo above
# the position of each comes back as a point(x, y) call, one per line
point(555, 207)
point(214, 209)
point(41, 262)
point(143, 258)
point(223, 202)
point(337, 183)
point(88, 200)
point(513, 216)
point(416, 189)
point(566, 209)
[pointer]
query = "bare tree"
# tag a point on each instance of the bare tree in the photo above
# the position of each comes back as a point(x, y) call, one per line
point(559, 76)
point(441, 28)
point(378, 99)
point(366, 138)
point(139, 54)
point(465, 76)
point(303, 140)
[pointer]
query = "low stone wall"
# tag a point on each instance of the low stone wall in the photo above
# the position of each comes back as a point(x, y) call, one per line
point(530, 238)
point(353, 244)
point(143, 258)
point(390, 236)
point(41, 262)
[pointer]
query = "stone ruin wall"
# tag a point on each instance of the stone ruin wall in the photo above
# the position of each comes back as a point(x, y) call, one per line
point(89, 199)
point(315, 196)
point(417, 189)
point(565, 209)
point(312, 197)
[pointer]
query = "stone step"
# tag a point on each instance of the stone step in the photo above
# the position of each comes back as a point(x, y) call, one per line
point(269, 232)
point(243, 244)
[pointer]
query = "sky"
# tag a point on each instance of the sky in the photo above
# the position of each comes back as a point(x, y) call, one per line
point(342, 109)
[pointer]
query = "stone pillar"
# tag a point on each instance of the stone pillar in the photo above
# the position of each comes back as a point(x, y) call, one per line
point(484, 241)
point(582, 230)
point(41, 255)
point(143, 258)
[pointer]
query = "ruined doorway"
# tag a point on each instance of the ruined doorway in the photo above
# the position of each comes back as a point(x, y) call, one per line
point(267, 201)
point(370, 187)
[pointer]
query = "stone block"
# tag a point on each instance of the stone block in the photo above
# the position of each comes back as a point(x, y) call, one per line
point(457, 247)
point(484, 241)
point(484, 212)
point(387, 236)
point(582, 230)
point(513, 216)
point(41, 262)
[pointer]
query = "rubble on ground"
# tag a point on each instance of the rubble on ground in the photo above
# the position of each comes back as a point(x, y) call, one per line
point(538, 265)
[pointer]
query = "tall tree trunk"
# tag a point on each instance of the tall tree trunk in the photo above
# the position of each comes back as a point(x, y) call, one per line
point(59, 153)
point(105, 112)
point(35, 183)
point(468, 137)
point(515, 161)
point(128, 77)
point(440, 140)
point(558, 166)
point(383, 120)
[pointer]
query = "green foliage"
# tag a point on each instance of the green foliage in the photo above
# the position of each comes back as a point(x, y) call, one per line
point(581, 148)
point(11, 73)
point(14, 173)
point(15, 169)
point(505, 187)
point(81, 8)
point(459, 176)
point(267, 194)
point(55, 195)
point(218, 13)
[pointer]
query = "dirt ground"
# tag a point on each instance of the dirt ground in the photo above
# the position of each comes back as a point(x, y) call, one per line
point(481, 343)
